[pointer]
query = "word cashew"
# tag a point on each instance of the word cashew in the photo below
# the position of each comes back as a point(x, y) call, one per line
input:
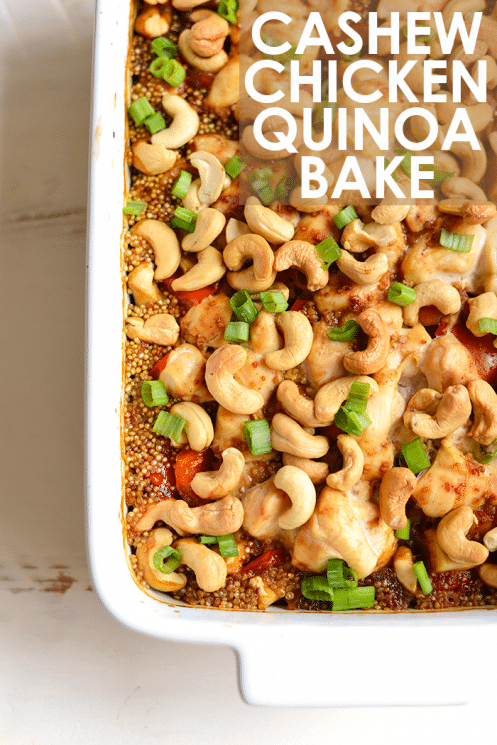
point(265, 222)
point(211, 174)
point(363, 272)
point(316, 470)
point(331, 396)
point(297, 406)
point(207, 64)
point(142, 286)
point(250, 246)
point(403, 564)
point(152, 159)
point(183, 374)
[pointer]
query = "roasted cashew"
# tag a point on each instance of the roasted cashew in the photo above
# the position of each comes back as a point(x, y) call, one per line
point(164, 243)
point(209, 225)
point(205, 64)
point(387, 214)
point(297, 332)
point(367, 272)
point(183, 375)
point(152, 159)
point(357, 237)
point(219, 377)
point(266, 222)
point(153, 22)
point(225, 89)
point(481, 306)
point(373, 358)
point(453, 410)
point(208, 32)
point(184, 126)
point(198, 428)
point(396, 488)
point(353, 464)
point(403, 564)
point(215, 518)
point(208, 566)
point(158, 329)
point(264, 335)
point(479, 114)
point(474, 162)
point(218, 484)
point(443, 296)
point(316, 470)
point(142, 286)
point(208, 269)
point(235, 228)
point(451, 536)
point(145, 551)
point(488, 574)
point(331, 396)
point(484, 400)
point(192, 200)
point(462, 195)
point(250, 246)
point(300, 489)
point(448, 362)
point(289, 437)
point(490, 539)
point(296, 405)
point(304, 256)
point(211, 174)
point(245, 280)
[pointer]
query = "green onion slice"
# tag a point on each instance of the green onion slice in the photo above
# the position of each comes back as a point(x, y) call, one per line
point(155, 123)
point(235, 166)
point(169, 425)
point(134, 208)
point(405, 532)
point(406, 161)
point(357, 400)
point(423, 579)
point(347, 332)
point(421, 39)
point(157, 66)
point(274, 302)
point(153, 393)
point(227, 545)
point(171, 564)
point(284, 187)
point(401, 294)
point(243, 306)
point(345, 216)
point(164, 47)
point(488, 325)
point(181, 185)
point(415, 455)
point(316, 588)
point(336, 573)
point(140, 110)
point(263, 191)
point(173, 73)
point(356, 597)
point(439, 176)
point(265, 174)
point(207, 540)
point(184, 219)
point(228, 9)
point(487, 455)
point(329, 251)
point(456, 241)
point(258, 436)
point(237, 331)
point(351, 422)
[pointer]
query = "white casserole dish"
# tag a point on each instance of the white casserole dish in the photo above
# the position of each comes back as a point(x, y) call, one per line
point(286, 659)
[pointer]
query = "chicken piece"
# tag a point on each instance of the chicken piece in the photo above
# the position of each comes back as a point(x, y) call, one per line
point(205, 323)
point(325, 360)
point(448, 362)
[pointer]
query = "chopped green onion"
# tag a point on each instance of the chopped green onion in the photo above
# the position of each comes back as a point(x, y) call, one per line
point(421, 39)
point(184, 219)
point(171, 564)
point(274, 302)
point(439, 176)
point(237, 331)
point(265, 174)
point(347, 332)
point(157, 66)
point(173, 73)
point(356, 597)
point(207, 540)
point(258, 436)
point(329, 251)
point(404, 533)
point(423, 579)
point(357, 400)
point(235, 166)
point(284, 187)
point(401, 294)
point(181, 185)
point(164, 47)
point(385, 166)
point(227, 545)
point(228, 9)
point(316, 588)
point(140, 110)
point(415, 455)
point(243, 306)
point(169, 425)
point(345, 216)
point(350, 57)
point(336, 571)
point(263, 191)
point(456, 241)
point(350, 422)
point(485, 455)
point(134, 208)
point(155, 123)
point(488, 325)
point(153, 393)
point(406, 161)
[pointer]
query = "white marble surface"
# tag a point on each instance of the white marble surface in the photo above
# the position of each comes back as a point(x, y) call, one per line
point(69, 673)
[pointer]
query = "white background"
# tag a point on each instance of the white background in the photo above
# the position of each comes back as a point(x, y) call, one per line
point(69, 673)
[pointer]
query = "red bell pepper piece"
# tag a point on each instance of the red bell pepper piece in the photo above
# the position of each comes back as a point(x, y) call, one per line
point(188, 464)
point(189, 297)
point(275, 557)
point(156, 369)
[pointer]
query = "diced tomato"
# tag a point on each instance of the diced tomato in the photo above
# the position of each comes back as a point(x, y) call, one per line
point(188, 464)
point(275, 557)
point(481, 349)
point(156, 369)
point(189, 298)
point(164, 479)
point(298, 304)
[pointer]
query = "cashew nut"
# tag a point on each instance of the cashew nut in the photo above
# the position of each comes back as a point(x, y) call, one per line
point(453, 408)
point(490, 539)
point(296, 405)
point(211, 174)
point(208, 566)
point(158, 329)
point(198, 428)
point(488, 574)
point(208, 269)
point(353, 464)
point(443, 296)
point(145, 552)
point(209, 225)
point(152, 159)
point(164, 243)
point(300, 489)
point(289, 437)
point(142, 286)
point(183, 374)
point(448, 362)
point(357, 237)
point(396, 488)
point(208, 32)
point(225, 89)
point(367, 272)
point(250, 246)
point(297, 331)
point(216, 518)
point(192, 201)
point(451, 535)
point(304, 256)
point(266, 222)
point(153, 22)
point(218, 484)
point(331, 396)
point(484, 399)
point(206, 64)
point(245, 280)
point(373, 358)
point(481, 306)
point(386, 214)
point(264, 335)
point(235, 228)
point(219, 377)
point(403, 564)
point(316, 470)
point(184, 126)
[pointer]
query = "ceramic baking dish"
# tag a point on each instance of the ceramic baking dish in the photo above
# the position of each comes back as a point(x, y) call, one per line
point(286, 658)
